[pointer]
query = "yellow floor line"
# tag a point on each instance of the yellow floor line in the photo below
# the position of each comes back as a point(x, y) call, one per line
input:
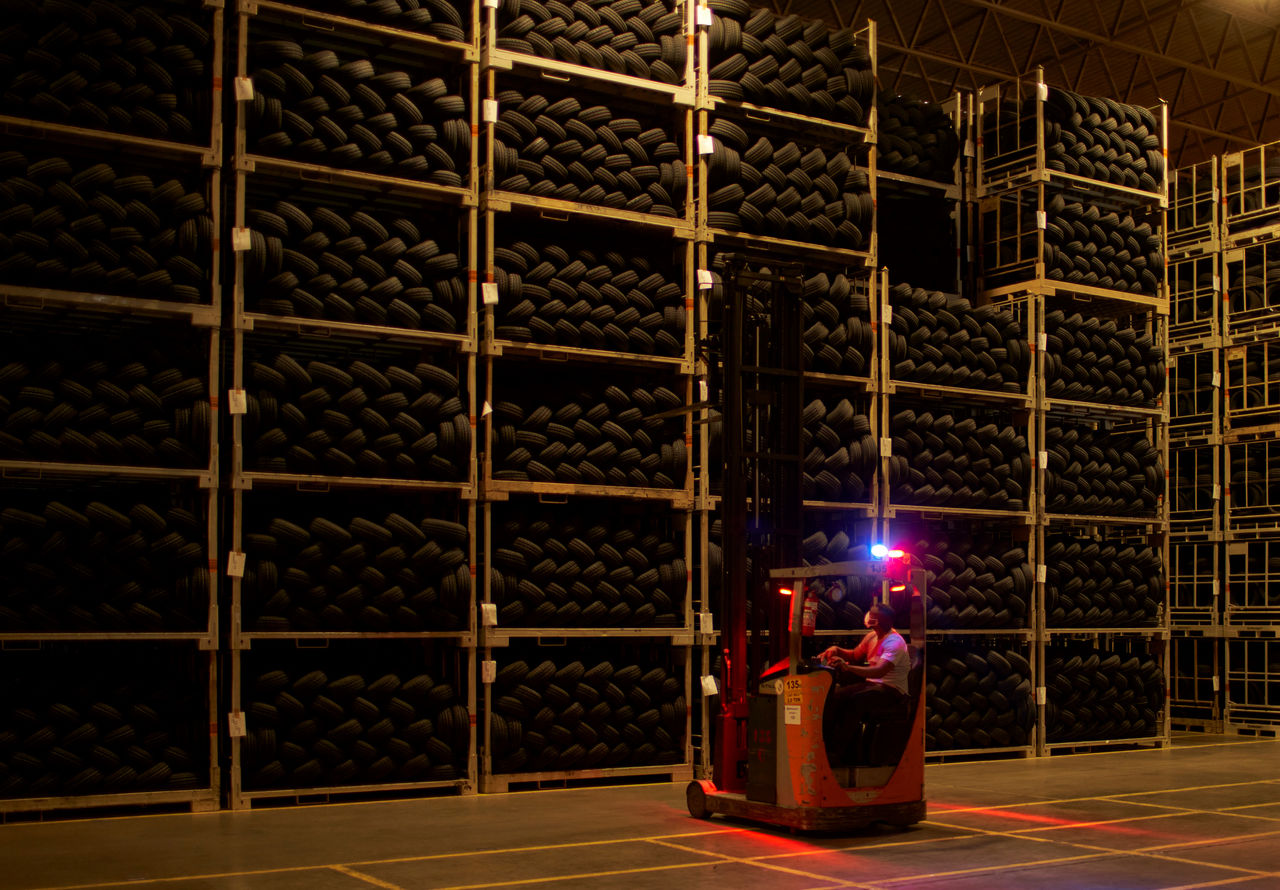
point(1212, 840)
point(1222, 883)
point(368, 879)
point(584, 875)
point(981, 869)
point(1119, 796)
point(760, 863)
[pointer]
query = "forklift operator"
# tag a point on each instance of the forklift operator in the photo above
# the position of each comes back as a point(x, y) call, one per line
point(876, 687)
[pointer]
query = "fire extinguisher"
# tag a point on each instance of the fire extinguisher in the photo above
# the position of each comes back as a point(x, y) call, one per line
point(809, 614)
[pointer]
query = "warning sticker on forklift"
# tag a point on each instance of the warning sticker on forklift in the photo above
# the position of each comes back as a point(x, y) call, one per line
point(792, 691)
point(791, 715)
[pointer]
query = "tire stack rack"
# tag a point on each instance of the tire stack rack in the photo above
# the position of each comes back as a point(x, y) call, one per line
point(1070, 193)
point(587, 348)
point(109, 273)
point(352, 625)
point(770, 157)
point(1197, 488)
point(1251, 346)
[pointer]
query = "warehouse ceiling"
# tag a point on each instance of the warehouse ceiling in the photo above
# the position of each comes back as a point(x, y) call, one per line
point(1216, 62)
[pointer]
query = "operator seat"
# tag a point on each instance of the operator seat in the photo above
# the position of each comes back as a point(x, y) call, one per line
point(885, 736)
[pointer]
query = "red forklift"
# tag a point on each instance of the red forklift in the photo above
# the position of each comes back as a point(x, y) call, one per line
point(771, 762)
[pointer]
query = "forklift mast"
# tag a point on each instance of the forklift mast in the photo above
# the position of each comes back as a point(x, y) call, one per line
point(762, 386)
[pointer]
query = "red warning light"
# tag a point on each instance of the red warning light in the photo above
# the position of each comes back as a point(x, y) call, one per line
point(785, 591)
point(896, 554)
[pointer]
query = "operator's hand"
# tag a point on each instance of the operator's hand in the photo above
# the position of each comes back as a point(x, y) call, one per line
point(837, 664)
point(829, 654)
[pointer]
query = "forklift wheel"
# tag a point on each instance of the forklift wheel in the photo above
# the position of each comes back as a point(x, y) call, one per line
point(695, 797)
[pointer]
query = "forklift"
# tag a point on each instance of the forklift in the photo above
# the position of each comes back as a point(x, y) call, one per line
point(770, 762)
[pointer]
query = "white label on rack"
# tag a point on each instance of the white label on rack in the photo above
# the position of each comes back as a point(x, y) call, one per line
point(1042, 341)
point(489, 292)
point(235, 564)
point(1215, 588)
point(791, 715)
point(1042, 572)
point(1215, 682)
point(886, 445)
point(1044, 459)
point(240, 239)
point(488, 671)
point(491, 4)
point(968, 148)
point(237, 401)
point(888, 313)
point(1042, 92)
point(235, 725)
point(487, 409)
point(244, 89)
point(489, 108)
point(709, 685)
point(1040, 695)
point(705, 623)
point(1217, 491)
point(489, 614)
point(706, 144)
point(1217, 282)
point(703, 391)
point(704, 15)
point(1217, 378)
point(1042, 219)
point(705, 281)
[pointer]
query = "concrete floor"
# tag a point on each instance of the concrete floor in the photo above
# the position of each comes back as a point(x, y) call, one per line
point(1204, 813)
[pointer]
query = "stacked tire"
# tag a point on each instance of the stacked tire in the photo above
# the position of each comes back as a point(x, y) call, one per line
point(339, 573)
point(308, 730)
point(625, 36)
point(120, 564)
point(944, 460)
point(80, 224)
point(1251, 484)
point(787, 189)
point(969, 585)
point(1109, 250)
point(561, 149)
point(119, 66)
point(317, 107)
point(439, 18)
point(612, 300)
point(1095, 360)
point(353, 418)
point(562, 715)
point(1103, 139)
point(314, 261)
point(579, 573)
point(916, 139)
point(83, 399)
point(943, 340)
point(98, 720)
point(1090, 583)
point(841, 455)
point(977, 698)
point(837, 335)
point(1100, 473)
point(1251, 384)
point(597, 436)
point(785, 62)
point(1099, 694)
point(842, 602)
point(1253, 280)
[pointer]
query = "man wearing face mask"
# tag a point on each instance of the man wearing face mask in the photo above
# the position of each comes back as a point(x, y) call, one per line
point(871, 680)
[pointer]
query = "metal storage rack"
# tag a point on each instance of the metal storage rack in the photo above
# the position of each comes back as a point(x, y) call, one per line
point(1252, 688)
point(1195, 680)
point(527, 365)
point(368, 732)
point(425, 480)
point(121, 353)
point(1250, 195)
point(1035, 195)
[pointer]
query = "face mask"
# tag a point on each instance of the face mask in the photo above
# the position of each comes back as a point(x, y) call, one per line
point(869, 620)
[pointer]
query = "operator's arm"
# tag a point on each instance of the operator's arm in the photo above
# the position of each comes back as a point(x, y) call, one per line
point(873, 670)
